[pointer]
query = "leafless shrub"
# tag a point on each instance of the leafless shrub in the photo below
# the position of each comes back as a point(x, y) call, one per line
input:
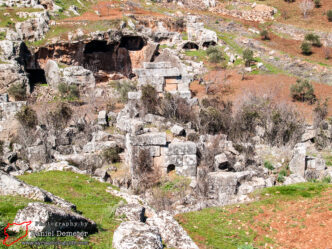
point(147, 175)
point(176, 108)
point(306, 7)
point(281, 123)
point(150, 99)
point(59, 118)
point(320, 112)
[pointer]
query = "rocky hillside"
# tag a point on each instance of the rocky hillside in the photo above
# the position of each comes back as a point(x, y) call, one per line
point(129, 122)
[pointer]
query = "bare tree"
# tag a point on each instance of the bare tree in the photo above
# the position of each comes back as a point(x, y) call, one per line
point(306, 6)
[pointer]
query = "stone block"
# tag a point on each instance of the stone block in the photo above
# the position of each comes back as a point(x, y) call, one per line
point(153, 138)
point(182, 148)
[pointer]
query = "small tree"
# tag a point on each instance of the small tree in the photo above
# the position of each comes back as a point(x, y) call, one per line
point(303, 91)
point(265, 35)
point(329, 15)
point(306, 6)
point(18, 92)
point(150, 99)
point(69, 92)
point(317, 3)
point(215, 55)
point(314, 39)
point(320, 112)
point(306, 48)
point(248, 56)
point(27, 117)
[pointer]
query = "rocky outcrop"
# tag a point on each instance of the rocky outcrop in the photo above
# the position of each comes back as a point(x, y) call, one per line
point(50, 220)
point(172, 233)
point(10, 185)
point(79, 76)
point(298, 163)
point(52, 74)
point(134, 234)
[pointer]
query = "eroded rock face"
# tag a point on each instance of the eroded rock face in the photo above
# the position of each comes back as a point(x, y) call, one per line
point(172, 233)
point(52, 74)
point(10, 185)
point(77, 75)
point(133, 212)
point(298, 162)
point(55, 220)
point(136, 235)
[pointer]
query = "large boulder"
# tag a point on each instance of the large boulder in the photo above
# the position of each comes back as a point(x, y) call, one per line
point(50, 220)
point(52, 74)
point(298, 162)
point(10, 185)
point(133, 212)
point(136, 235)
point(173, 235)
point(77, 75)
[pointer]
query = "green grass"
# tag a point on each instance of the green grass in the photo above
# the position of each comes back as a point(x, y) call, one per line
point(328, 160)
point(200, 54)
point(9, 21)
point(227, 227)
point(87, 194)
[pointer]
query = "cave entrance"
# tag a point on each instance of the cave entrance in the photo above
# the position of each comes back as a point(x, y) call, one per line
point(190, 45)
point(170, 168)
point(208, 44)
point(110, 58)
point(133, 43)
point(225, 166)
point(36, 76)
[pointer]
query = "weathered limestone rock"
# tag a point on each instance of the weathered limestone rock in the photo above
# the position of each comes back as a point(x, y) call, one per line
point(47, 218)
point(102, 118)
point(223, 185)
point(220, 161)
point(308, 135)
point(52, 74)
point(10, 185)
point(62, 166)
point(136, 235)
point(173, 235)
point(182, 148)
point(153, 138)
point(133, 212)
point(178, 130)
point(251, 186)
point(317, 164)
point(297, 164)
point(33, 28)
point(77, 75)
point(293, 178)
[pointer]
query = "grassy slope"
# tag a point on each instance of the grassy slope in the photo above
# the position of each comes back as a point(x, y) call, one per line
point(87, 194)
point(229, 227)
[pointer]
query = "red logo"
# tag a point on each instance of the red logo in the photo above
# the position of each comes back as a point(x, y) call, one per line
point(7, 236)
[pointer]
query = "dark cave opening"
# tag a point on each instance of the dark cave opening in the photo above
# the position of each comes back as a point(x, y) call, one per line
point(170, 168)
point(190, 45)
point(36, 76)
point(98, 46)
point(133, 43)
point(208, 44)
point(225, 167)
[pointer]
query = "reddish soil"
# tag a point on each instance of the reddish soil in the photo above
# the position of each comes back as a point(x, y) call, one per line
point(276, 86)
point(304, 223)
point(293, 47)
point(108, 13)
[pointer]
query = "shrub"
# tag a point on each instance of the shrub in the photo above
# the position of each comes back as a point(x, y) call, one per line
point(248, 56)
point(289, 1)
point(303, 91)
point(282, 124)
point(327, 179)
point(314, 39)
point(317, 3)
point(214, 54)
point(265, 35)
point(180, 23)
point(329, 15)
point(27, 117)
point(268, 165)
point(150, 99)
point(147, 175)
point(112, 154)
point(306, 48)
point(59, 117)
point(320, 112)
point(215, 117)
point(70, 92)
point(18, 92)
point(123, 88)
point(176, 108)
